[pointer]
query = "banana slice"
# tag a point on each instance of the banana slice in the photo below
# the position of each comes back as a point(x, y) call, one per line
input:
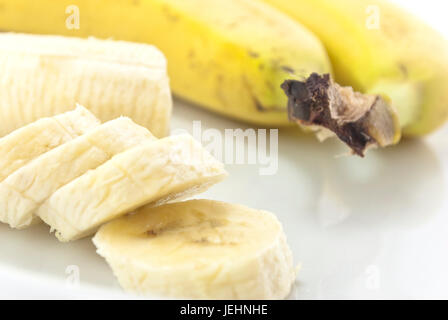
point(199, 249)
point(23, 145)
point(24, 190)
point(44, 74)
point(156, 172)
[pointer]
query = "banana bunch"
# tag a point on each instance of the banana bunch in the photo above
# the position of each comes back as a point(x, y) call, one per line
point(45, 75)
point(388, 70)
point(77, 174)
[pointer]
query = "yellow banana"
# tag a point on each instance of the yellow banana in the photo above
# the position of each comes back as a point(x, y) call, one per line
point(376, 47)
point(227, 55)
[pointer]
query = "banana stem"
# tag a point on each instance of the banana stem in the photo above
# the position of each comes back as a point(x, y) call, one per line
point(359, 120)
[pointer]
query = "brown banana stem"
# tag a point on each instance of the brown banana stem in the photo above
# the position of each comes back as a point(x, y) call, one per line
point(359, 120)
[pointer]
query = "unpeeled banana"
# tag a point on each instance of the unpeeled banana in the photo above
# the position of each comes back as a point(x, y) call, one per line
point(155, 172)
point(45, 75)
point(22, 192)
point(199, 249)
point(380, 49)
point(27, 143)
point(230, 56)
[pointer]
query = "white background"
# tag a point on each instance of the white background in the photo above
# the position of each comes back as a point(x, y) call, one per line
point(372, 228)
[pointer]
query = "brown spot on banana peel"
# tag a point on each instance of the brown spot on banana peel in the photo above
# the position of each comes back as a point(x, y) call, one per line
point(257, 103)
point(404, 70)
point(151, 233)
point(253, 54)
point(359, 120)
point(288, 69)
point(173, 17)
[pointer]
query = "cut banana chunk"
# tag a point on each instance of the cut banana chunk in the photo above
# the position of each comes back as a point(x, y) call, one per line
point(45, 75)
point(25, 190)
point(156, 172)
point(23, 145)
point(199, 249)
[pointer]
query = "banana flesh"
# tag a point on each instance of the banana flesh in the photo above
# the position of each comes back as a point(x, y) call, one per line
point(155, 172)
point(199, 249)
point(22, 192)
point(45, 75)
point(23, 145)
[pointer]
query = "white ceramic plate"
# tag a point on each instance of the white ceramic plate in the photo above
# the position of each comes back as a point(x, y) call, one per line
point(361, 228)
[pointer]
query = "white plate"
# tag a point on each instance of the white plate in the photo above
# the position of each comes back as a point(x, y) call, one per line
point(361, 228)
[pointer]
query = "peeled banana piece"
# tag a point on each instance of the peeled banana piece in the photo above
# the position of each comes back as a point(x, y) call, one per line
point(26, 189)
point(229, 56)
point(155, 172)
point(44, 75)
point(199, 249)
point(23, 145)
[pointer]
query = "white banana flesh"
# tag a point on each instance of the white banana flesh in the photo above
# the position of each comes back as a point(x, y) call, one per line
point(41, 76)
point(24, 191)
point(199, 249)
point(23, 145)
point(156, 172)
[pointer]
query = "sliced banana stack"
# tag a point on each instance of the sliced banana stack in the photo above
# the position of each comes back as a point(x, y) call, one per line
point(23, 192)
point(43, 75)
point(23, 145)
point(199, 249)
point(155, 172)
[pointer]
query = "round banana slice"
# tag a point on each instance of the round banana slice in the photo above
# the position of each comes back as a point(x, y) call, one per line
point(199, 249)
point(24, 144)
point(155, 172)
